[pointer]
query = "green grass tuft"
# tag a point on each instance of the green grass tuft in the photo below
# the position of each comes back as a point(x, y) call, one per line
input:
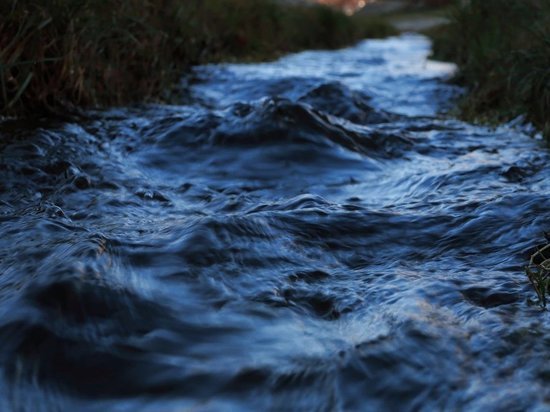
point(538, 272)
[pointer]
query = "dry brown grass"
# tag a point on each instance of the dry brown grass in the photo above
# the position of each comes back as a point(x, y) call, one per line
point(58, 54)
point(503, 50)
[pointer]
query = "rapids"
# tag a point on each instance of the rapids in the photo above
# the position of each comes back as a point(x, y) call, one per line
point(310, 234)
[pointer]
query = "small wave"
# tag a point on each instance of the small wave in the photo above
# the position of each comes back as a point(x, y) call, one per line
point(286, 238)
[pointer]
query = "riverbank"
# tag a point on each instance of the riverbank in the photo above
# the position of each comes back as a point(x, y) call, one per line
point(503, 51)
point(57, 55)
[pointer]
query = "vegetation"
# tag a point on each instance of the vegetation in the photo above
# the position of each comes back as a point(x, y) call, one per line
point(503, 50)
point(57, 54)
point(538, 272)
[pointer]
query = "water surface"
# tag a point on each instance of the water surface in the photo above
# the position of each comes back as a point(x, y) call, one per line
point(310, 234)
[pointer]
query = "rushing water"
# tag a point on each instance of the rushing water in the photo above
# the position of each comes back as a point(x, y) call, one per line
point(303, 235)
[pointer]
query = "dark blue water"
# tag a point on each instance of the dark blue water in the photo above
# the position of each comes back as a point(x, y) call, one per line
point(305, 235)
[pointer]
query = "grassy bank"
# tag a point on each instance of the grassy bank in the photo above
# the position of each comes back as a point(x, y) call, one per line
point(56, 54)
point(503, 50)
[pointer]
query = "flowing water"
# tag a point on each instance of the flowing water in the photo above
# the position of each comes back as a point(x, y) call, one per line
point(303, 235)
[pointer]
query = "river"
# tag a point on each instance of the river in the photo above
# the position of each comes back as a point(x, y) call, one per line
point(309, 234)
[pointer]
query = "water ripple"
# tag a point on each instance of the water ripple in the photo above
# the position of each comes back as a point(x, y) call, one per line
point(306, 234)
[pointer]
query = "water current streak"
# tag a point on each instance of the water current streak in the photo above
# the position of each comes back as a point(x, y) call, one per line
point(308, 234)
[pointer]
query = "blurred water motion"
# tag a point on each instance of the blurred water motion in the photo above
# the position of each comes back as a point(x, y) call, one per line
point(308, 235)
